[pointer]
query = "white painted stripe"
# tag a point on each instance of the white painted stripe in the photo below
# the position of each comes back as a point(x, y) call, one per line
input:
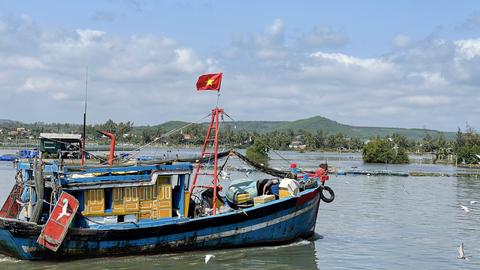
point(253, 227)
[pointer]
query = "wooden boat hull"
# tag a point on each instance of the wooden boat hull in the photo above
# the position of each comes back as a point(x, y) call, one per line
point(278, 221)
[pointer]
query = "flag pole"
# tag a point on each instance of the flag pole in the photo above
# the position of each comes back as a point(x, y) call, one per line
point(218, 98)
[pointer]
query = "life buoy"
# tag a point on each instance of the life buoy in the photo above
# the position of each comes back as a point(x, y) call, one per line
point(331, 193)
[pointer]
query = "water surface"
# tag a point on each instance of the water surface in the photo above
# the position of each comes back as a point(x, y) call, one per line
point(375, 222)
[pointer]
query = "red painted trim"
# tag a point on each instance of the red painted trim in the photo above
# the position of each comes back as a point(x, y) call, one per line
point(112, 146)
point(307, 197)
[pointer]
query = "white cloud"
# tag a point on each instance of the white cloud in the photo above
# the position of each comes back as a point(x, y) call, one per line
point(150, 79)
point(321, 37)
point(467, 49)
point(60, 96)
point(401, 41)
point(277, 28)
point(424, 100)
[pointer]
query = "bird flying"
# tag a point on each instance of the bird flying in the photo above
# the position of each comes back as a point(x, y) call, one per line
point(466, 209)
point(210, 256)
point(461, 253)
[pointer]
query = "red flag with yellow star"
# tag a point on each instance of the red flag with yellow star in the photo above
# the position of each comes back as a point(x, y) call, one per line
point(209, 81)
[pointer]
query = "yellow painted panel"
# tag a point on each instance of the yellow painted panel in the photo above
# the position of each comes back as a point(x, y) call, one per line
point(164, 204)
point(164, 213)
point(145, 214)
point(94, 202)
point(164, 198)
point(146, 205)
point(131, 199)
point(186, 202)
point(117, 200)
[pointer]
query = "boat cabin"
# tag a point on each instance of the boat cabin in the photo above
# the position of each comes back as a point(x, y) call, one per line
point(60, 145)
point(111, 195)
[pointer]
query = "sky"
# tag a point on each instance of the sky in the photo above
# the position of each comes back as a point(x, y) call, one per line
point(411, 64)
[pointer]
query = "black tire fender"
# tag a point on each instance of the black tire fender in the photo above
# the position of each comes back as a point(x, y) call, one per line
point(330, 198)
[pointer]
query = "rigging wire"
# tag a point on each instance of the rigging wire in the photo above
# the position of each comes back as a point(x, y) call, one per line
point(270, 148)
point(173, 131)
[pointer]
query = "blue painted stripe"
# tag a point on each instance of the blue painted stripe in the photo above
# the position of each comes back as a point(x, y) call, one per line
point(99, 179)
point(173, 168)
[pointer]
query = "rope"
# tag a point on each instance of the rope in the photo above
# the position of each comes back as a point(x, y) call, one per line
point(271, 148)
point(164, 135)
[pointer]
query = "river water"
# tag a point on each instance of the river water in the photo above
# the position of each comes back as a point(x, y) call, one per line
point(375, 222)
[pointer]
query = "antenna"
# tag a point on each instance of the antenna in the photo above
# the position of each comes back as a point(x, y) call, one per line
point(85, 117)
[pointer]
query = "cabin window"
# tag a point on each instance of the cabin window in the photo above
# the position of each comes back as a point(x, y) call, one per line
point(108, 199)
point(49, 145)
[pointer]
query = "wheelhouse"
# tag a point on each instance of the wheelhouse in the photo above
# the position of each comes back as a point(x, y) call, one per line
point(111, 195)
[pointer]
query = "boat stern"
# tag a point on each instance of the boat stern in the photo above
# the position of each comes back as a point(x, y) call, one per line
point(15, 246)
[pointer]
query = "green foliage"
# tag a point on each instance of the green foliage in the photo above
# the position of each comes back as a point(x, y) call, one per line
point(467, 146)
point(384, 151)
point(467, 154)
point(258, 152)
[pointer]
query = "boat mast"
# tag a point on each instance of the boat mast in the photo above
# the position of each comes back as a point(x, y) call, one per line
point(211, 142)
point(85, 118)
point(210, 82)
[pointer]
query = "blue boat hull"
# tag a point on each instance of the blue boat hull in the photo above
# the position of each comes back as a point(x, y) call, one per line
point(279, 221)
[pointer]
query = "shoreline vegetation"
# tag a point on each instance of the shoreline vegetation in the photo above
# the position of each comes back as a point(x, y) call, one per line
point(463, 149)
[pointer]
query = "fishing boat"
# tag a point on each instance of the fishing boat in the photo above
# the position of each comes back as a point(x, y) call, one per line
point(61, 212)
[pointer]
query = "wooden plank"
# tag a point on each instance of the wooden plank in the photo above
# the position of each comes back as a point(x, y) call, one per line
point(39, 190)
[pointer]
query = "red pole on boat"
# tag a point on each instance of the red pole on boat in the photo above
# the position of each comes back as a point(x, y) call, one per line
point(215, 169)
point(112, 145)
point(205, 143)
point(214, 124)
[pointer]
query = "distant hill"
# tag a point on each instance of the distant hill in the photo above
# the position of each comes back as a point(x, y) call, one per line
point(5, 123)
point(311, 124)
point(315, 123)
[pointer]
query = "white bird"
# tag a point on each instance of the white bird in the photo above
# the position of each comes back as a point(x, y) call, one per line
point(473, 202)
point(210, 256)
point(64, 209)
point(461, 253)
point(466, 209)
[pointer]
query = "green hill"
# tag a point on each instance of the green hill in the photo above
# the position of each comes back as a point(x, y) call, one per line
point(311, 124)
point(315, 123)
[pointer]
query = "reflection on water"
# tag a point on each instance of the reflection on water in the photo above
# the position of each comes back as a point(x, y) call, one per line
point(374, 223)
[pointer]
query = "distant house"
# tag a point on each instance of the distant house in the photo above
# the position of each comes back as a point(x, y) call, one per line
point(298, 143)
point(187, 137)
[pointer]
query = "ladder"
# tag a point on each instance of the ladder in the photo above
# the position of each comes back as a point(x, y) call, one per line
point(209, 151)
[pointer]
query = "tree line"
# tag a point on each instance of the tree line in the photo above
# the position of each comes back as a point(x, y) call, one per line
point(465, 147)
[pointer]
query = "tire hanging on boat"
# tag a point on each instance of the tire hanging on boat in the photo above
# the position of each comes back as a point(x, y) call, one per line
point(331, 193)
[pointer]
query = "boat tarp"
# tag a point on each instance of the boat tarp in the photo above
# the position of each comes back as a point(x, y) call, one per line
point(241, 186)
